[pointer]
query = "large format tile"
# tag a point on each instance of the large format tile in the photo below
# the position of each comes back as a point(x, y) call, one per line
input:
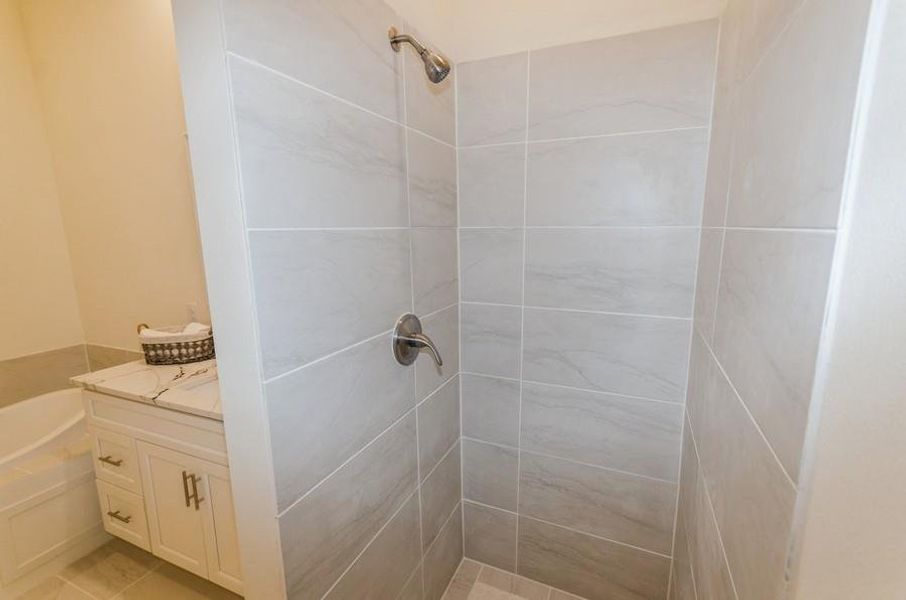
point(443, 557)
point(643, 179)
point(354, 395)
point(720, 155)
point(641, 271)
point(373, 576)
point(109, 570)
point(492, 100)
point(435, 269)
point(463, 580)
point(490, 535)
point(709, 255)
point(438, 425)
point(709, 567)
point(491, 337)
point(491, 265)
point(794, 120)
point(490, 474)
point(621, 507)
point(54, 589)
point(430, 106)
point(28, 376)
point(771, 302)
point(175, 584)
point(657, 79)
point(440, 492)
point(413, 588)
point(490, 409)
point(338, 46)
point(443, 329)
point(324, 532)
point(752, 499)
point(631, 435)
point(432, 182)
point(309, 160)
point(321, 291)
point(590, 567)
point(492, 186)
point(636, 356)
point(516, 587)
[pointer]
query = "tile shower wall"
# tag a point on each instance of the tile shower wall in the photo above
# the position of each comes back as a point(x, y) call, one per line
point(786, 86)
point(581, 183)
point(348, 169)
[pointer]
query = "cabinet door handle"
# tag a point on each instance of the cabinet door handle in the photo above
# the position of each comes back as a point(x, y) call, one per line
point(110, 461)
point(116, 515)
point(186, 477)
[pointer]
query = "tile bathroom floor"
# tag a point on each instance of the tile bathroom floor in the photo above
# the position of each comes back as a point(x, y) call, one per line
point(120, 571)
point(475, 581)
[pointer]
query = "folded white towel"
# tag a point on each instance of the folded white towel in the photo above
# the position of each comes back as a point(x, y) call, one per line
point(173, 334)
point(196, 328)
point(147, 332)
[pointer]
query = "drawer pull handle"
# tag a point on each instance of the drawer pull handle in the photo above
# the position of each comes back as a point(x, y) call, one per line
point(116, 515)
point(110, 461)
point(186, 478)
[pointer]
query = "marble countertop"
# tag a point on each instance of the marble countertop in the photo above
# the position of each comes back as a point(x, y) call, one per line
point(190, 388)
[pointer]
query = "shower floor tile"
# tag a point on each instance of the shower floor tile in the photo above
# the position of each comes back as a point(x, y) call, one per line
point(121, 571)
point(475, 581)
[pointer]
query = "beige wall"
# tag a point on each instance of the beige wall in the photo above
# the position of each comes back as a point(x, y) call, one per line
point(39, 310)
point(475, 29)
point(107, 76)
point(852, 542)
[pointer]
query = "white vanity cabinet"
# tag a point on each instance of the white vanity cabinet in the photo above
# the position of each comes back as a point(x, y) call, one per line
point(164, 484)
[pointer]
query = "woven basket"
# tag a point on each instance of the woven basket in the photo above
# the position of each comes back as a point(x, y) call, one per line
point(178, 349)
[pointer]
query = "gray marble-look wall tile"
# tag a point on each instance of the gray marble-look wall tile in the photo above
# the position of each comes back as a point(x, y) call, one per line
point(640, 271)
point(773, 290)
point(709, 255)
point(432, 182)
point(590, 567)
point(413, 590)
point(629, 355)
point(354, 395)
point(620, 507)
point(720, 157)
point(753, 500)
point(682, 587)
point(430, 106)
point(375, 577)
point(689, 476)
point(435, 268)
point(438, 425)
point(794, 121)
point(492, 100)
point(491, 265)
point(492, 186)
point(642, 179)
point(440, 492)
point(104, 357)
point(490, 409)
point(309, 160)
point(709, 567)
point(24, 377)
point(443, 329)
point(491, 337)
point(490, 474)
point(323, 533)
point(338, 46)
point(637, 436)
point(443, 557)
point(659, 79)
point(321, 291)
point(490, 535)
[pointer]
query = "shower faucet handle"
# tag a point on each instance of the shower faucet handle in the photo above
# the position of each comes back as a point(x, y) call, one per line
point(408, 340)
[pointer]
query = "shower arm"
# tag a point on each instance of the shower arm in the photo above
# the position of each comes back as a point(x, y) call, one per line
point(399, 38)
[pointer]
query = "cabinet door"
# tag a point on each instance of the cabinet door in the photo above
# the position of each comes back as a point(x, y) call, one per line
point(221, 539)
point(175, 519)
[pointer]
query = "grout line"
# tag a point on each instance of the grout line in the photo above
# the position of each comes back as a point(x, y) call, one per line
point(578, 137)
point(571, 461)
point(577, 310)
point(441, 459)
point(578, 227)
point(284, 76)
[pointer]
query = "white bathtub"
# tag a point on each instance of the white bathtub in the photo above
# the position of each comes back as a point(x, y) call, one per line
point(49, 512)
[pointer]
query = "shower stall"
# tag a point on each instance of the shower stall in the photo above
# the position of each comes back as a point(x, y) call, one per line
point(613, 257)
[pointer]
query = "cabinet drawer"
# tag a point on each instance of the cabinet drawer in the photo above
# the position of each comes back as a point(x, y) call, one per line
point(116, 459)
point(124, 514)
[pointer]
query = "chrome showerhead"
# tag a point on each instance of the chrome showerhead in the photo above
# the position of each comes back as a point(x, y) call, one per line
point(436, 66)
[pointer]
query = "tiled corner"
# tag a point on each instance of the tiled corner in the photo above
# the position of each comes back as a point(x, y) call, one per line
point(490, 535)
